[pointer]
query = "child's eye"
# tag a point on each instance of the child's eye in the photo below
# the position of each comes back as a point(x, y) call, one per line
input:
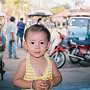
point(32, 42)
point(41, 42)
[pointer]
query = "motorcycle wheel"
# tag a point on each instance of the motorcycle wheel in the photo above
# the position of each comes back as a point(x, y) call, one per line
point(73, 59)
point(84, 63)
point(59, 58)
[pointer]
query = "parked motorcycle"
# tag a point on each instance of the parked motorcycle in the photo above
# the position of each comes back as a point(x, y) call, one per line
point(81, 53)
point(58, 54)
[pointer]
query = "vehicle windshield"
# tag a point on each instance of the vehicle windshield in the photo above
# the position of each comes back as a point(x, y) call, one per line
point(78, 22)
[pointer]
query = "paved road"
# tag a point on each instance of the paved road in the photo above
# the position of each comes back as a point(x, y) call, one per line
point(75, 77)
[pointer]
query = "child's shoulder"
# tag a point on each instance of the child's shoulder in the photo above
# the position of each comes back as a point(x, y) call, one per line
point(52, 62)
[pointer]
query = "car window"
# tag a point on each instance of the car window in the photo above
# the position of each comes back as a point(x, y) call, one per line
point(78, 22)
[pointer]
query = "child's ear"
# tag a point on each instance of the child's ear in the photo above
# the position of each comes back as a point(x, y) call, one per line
point(25, 45)
point(48, 44)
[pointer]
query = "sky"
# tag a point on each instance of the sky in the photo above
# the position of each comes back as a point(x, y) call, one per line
point(51, 3)
point(48, 3)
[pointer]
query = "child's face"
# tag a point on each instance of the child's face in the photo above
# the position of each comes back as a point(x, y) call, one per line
point(37, 43)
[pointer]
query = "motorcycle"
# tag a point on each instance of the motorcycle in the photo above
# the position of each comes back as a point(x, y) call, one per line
point(81, 53)
point(58, 54)
point(62, 50)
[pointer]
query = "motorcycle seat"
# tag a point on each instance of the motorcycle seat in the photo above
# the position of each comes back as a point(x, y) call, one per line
point(82, 42)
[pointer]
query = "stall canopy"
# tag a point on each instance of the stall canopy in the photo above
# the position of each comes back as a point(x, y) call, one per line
point(80, 13)
point(43, 13)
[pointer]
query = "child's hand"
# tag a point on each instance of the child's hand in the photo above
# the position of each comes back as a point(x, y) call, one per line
point(45, 84)
point(41, 85)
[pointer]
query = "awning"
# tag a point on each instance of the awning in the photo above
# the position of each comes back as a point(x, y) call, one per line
point(43, 13)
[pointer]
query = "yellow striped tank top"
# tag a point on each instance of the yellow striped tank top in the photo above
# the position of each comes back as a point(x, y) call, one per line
point(31, 75)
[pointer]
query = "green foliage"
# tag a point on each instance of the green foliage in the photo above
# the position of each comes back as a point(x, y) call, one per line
point(57, 9)
point(17, 7)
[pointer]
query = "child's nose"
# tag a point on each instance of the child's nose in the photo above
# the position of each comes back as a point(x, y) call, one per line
point(37, 45)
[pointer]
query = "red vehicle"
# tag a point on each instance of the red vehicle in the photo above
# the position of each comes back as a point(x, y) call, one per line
point(81, 53)
point(58, 54)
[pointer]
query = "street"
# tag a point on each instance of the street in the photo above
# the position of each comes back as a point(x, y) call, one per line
point(74, 77)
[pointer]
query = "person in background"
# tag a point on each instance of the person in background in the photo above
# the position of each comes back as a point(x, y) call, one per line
point(2, 42)
point(39, 20)
point(37, 71)
point(2, 49)
point(20, 32)
point(2, 39)
point(11, 29)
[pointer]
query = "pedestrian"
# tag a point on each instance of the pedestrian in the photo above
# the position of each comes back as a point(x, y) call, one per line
point(11, 29)
point(37, 71)
point(2, 42)
point(20, 32)
point(39, 20)
point(2, 49)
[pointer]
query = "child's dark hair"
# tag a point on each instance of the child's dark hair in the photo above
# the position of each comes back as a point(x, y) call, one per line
point(39, 28)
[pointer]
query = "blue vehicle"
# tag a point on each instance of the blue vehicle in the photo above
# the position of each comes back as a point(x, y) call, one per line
point(79, 34)
point(79, 27)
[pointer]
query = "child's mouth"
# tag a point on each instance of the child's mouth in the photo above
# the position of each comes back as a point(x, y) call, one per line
point(36, 52)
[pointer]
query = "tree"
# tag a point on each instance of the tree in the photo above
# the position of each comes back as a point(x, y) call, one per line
point(57, 9)
point(17, 7)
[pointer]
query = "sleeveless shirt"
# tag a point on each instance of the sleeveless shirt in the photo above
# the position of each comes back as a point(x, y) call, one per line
point(31, 75)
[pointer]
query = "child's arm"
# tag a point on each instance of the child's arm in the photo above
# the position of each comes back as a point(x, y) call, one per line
point(18, 78)
point(57, 77)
